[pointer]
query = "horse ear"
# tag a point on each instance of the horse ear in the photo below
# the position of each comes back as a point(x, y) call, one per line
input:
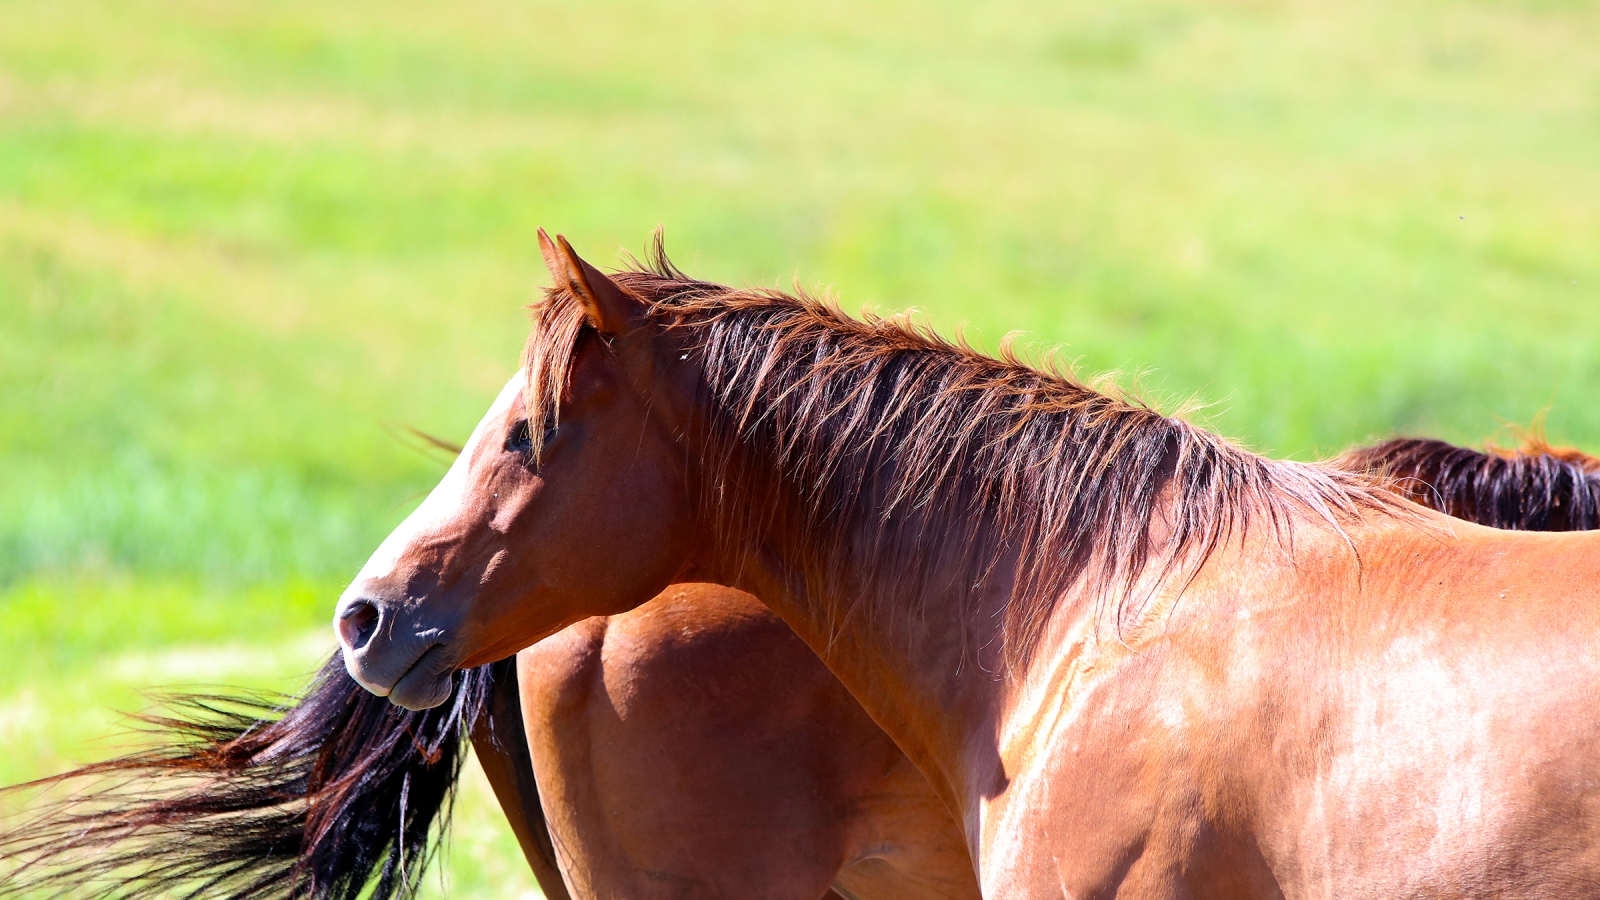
point(610, 309)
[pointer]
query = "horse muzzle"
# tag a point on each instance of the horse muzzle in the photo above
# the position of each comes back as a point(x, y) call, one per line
point(391, 657)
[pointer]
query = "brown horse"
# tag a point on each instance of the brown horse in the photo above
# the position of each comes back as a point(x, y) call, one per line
point(1130, 656)
point(771, 778)
point(744, 786)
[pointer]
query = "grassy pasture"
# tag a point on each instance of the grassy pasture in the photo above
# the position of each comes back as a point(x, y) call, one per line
point(242, 245)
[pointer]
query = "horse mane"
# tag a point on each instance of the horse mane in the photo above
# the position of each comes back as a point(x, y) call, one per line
point(915, 462)
point(334, 795)
point(1532, 487)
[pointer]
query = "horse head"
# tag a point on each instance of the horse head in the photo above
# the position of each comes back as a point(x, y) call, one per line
point(568, 501)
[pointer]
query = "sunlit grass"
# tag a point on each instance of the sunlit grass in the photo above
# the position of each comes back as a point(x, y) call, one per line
point(81, 653)
point(241, 245)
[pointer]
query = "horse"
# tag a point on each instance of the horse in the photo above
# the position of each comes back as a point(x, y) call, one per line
point(686, 658)
point(694, 635)
point(744, 751)
point(1130, 656)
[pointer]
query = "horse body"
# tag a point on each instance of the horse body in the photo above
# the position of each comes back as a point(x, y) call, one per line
point(1448, 706)
point(693, 747)
point(1425, 747)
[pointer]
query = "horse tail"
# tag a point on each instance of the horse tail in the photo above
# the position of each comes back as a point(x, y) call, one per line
point(332, 796)
point(1533, 488)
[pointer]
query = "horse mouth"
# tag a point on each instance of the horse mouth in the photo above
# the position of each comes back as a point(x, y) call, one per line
point(424, 684)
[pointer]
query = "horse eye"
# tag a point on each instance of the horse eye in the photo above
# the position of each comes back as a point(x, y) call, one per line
point(519, 440)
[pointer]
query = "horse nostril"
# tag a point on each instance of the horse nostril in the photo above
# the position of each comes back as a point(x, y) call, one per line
point(357, 624)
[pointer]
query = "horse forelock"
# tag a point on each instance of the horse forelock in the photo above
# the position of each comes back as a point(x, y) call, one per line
point(547, 360)
point(914, 462)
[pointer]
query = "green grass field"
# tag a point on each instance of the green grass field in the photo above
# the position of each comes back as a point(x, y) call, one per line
point(243, 245)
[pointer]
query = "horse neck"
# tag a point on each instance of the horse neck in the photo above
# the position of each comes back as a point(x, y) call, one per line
point(935, 669)
point(928, 661)
point(830, 491)
point(931, 669)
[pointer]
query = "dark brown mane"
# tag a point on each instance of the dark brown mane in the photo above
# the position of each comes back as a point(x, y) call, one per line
point(879, 436)
point(1534, 487)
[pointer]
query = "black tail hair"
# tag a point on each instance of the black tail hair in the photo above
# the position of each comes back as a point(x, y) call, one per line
point(1535, 487)
point(330, 796)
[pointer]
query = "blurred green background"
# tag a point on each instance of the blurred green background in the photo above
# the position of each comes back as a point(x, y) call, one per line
point(242, 245)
